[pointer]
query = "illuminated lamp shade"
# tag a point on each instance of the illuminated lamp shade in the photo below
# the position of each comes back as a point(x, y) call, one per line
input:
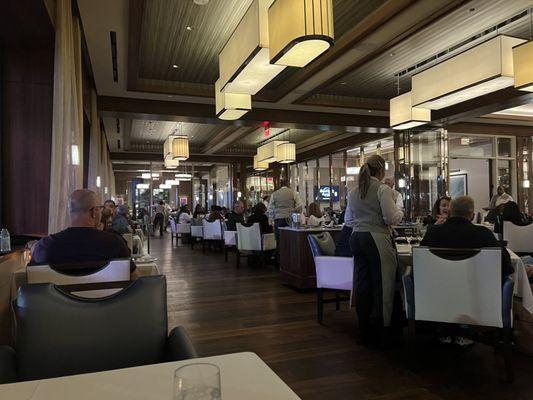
point(286, 153)
point(141, 186)
point(164, 186)
point(183, 176)
point(523, 66)
point(172, 182)
point(180, 147)
point(260, 166)
point(299, 31)
point(244, 62)
point(483, 69)
point(353, 170)
point(231, 106)
point(269, 151)
point(404, 116)
point(525, 183)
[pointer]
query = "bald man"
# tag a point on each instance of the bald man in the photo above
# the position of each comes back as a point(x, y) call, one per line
point(81, 247)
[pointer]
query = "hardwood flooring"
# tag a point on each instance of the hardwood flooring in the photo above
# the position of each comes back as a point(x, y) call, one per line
point(226, 310)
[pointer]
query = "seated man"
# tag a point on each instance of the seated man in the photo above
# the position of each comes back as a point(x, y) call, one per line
point(236, 216)
point(81, 247)
point(459, 232)
point(120, 223)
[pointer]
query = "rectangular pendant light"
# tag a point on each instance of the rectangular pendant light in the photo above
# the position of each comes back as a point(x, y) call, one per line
point(170, 163)
point(244, 62)
point(523, 66)
point(231, 106)
point(485, 68)
point(286, 153)
point(404, 116)
point(260, 166)
point(299, 31)
point(269, 151)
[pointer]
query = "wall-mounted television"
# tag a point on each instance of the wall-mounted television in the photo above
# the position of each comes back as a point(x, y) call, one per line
point(324, 193)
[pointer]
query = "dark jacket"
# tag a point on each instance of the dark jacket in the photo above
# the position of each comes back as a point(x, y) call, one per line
point(232, 219)
point(262, 219)
point(459, 233)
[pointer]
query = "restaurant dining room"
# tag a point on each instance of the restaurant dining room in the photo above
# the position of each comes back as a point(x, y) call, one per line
point(266, 199)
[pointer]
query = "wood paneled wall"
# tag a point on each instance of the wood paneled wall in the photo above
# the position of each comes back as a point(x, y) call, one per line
point(26, 107)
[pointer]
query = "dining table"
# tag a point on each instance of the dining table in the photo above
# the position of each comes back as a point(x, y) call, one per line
point(243, 376)
point(522, 287)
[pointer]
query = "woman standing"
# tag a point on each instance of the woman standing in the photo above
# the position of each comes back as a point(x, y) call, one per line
point(371, 211)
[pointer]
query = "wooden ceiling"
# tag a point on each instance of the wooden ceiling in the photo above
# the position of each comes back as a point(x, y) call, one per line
point(339, 96)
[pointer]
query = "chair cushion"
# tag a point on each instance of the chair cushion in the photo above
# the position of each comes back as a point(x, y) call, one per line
point(326, 243)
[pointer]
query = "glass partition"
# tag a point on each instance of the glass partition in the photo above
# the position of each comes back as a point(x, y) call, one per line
point(325, 193)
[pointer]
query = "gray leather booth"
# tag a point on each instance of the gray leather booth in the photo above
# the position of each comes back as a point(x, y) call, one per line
point(59, 334)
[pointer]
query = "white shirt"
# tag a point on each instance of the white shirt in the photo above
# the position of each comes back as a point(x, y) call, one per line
point(314, 221)
point(398, 199)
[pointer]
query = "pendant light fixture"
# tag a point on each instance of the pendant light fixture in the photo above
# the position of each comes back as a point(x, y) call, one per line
point(170, 163)
point(299, 31)
point(231, 106)
point(176, 147)
point(404, 116)
point(269, 151)
point(286, 152)
point(260, 165)
point(483, 69)
point(523, 66)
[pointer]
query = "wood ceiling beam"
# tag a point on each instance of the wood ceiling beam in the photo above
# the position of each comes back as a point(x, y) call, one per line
point(387, 9)
point(490, 129)
point(339, 145)
point(201, 158)
point(122, 107)
point(483, 105)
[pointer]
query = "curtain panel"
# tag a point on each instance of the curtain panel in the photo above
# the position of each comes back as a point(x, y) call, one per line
point(66, 173)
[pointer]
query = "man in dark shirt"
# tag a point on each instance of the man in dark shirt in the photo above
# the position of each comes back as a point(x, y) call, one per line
point(459, 232)
point(235, 217)
point(81, 247)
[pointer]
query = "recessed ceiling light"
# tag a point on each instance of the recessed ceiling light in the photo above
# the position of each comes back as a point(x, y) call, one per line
point(392, 54)
point(189, 28)
point(169, 95)
point(369, 110)
point(201, 2)
point(175, 66)
point(344, 83)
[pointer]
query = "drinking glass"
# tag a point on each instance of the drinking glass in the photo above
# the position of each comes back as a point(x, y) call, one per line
point(198, 381)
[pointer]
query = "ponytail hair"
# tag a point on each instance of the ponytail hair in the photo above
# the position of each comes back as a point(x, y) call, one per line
point(372, 167)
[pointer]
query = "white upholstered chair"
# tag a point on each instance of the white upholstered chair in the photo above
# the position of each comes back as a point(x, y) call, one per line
point(114, 271)
point(197, 232)
point(212, 232)
point(461, 286)
point(230, 242)
point(519, 238)
point(251, 242)
point(332, 273)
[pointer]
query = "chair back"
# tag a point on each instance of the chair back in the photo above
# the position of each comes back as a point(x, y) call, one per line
point(230, 238)
point(197, 231)
point(59, 334)
point(114, 270)
point(331, 272)
point(461, 286)
point(249, 237)
point(518, 237)
point(173, 224)
point(212, 230)
point(183, 228)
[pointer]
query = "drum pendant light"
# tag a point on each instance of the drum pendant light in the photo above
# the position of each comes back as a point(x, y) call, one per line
point(299, 31)
point(523, 66)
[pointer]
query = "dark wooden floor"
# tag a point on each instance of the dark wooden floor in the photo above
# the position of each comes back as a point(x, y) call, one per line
point(227, 310)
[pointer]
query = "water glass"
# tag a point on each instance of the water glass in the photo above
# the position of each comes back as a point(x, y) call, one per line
point(198, 381)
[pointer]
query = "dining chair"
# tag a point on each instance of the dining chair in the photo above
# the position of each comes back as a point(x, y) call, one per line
point(173, 230)
point(117, 270)
point(518, 237)
point(230, 242)
point(332, 274)
point(461, 286)
point(197, 232)
point(59, 334)
point(250, 241)
point(212, 233)
point(182, 229)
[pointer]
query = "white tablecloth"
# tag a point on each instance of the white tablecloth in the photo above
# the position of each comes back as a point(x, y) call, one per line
point(244, 376)
point(522, 288)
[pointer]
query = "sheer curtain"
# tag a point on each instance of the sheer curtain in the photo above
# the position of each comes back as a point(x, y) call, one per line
point(100, 167)
point(66, 172)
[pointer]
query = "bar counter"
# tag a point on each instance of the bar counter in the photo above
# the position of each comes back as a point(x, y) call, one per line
point(297, 267)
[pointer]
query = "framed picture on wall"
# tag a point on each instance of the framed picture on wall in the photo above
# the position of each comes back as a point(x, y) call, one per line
point(458, 185)
point(183, 200)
